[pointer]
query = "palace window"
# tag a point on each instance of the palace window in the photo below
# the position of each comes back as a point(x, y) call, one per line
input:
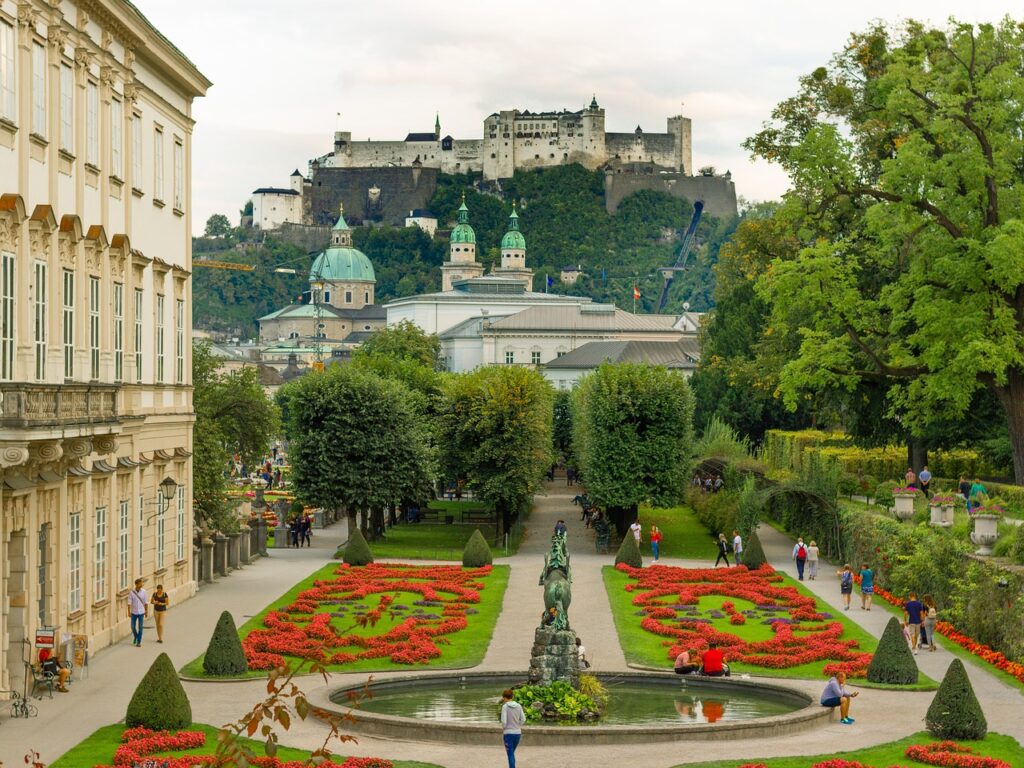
point(7, 48)
point(123, 546)
point(510, 358)
point(158, 164)
point(138, 335)
point(92, 124)
point(179, 549)
point(116, 134)
point(74, 562)
point(67, 108)
point(38, 89)
point(179, 342)
point(159, 339)
point(68, 323)
point(39, 290)
point(118, 331)
point(7, 316)
point(100, 563)
point(94, 328)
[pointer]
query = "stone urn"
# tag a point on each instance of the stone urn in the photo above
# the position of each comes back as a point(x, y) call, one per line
point(904, 507)
point(941, 515)
point(985, 533)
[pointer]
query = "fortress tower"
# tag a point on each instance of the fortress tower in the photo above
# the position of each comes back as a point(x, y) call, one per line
point(462, 261)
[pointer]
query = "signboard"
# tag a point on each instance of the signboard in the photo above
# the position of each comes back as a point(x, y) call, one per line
point(79, 650)
point(46, 637)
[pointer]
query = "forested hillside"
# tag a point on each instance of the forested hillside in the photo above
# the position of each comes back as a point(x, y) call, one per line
point(562, 215)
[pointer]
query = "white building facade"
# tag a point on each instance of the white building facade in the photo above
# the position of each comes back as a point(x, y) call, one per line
point(274, 206)
point(95, 320)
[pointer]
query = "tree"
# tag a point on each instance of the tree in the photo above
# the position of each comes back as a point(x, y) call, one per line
point(357, 443)
point(955, 712)
point(476, 553)
point(404, 342)
point(217, 226)
point(629, 552)
point(159, 702)
point(224, 654)
point(633, 435)
point(904, 155)
point(357, 551)
point(892, 662)
point(495, 431)
point(233, 415)
point(562, 425)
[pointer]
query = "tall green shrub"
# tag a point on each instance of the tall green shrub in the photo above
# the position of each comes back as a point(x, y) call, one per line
point(476, 552)
point(893, 663)
point(752, 555)
point(955, 712)
point(159, 702)
point(357, 551)
point(629, 552)
point(224, 654)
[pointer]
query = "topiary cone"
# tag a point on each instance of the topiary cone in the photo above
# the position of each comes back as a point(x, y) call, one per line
point(893, 663)
point(476, 553)
point(159, 702)
point(224, 654)
point(357, 551)
point(955, 712)
point(752, 555)
point(629, 552)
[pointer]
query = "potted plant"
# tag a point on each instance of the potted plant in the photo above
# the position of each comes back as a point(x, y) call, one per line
point(941, 508)
point(986, 522)
point(904, 500)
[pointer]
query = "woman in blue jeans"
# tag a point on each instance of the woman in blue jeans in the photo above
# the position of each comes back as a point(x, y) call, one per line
point(512, 719)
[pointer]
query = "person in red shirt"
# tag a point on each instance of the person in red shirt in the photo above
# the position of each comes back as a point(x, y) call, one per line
point(713, 663)
point(655, 542)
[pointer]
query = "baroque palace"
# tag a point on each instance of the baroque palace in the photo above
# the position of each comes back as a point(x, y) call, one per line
point(95, 321)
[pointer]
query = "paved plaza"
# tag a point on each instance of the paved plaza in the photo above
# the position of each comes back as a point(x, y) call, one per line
point(102, 697)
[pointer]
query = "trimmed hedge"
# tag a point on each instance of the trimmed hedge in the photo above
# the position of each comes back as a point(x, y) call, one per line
point(159, 702)
point(224, 654)
point(629, 552)
point(752, 555)
point(954, 712)
point(893, 662)
point(476, 552)
point(357, 551)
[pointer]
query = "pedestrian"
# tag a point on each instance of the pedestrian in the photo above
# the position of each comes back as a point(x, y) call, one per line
point(685, 664)
point(926, 480)
point(723, 551)
point(512, 719)
point(867, 586)
point(965, 490)
point(655, 542)
point(931, 616)
point(307, 530)
point(581, 653)
point(637, 530)
point(560, 529)
point(906, 634)
point(978, 495)
point(912, 611)
point(570, 475)
point(812, 560)
point(737, 546)
point(160, 600)
point(800, 556)
point(845, 585)
point(836, 695)
point(138, 609)
point(293, 532)
point(712, 663)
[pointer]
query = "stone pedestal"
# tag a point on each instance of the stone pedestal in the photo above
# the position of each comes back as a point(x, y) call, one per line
point(207, 561)
point(904, 507)
point(234, 548)
point(197, 562)
point(281, 534)
point(985, 533)
point(554, 657)
point(318, 518)
point(220, 555)
point(244, 546)
point(261, 537)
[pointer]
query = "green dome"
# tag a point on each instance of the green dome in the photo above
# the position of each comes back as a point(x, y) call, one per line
point(513, 238)
point(463, 233)
point(339, 263)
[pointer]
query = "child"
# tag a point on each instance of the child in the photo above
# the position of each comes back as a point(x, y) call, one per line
point(906, 633)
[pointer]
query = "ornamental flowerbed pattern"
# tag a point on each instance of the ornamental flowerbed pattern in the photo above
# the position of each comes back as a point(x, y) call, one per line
point(308, 628)
point(948, 754)
point(140, 746)
point(668, 600)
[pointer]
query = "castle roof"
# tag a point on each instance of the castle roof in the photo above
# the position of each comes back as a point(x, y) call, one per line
point(274, 191)
point(421, 137)
point(513, 238)
point(462, 232)
point(296, 173)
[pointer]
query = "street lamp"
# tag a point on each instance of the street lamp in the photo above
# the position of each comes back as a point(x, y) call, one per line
point(168, 488)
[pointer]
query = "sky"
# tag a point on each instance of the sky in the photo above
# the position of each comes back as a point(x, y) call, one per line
point(286, 75)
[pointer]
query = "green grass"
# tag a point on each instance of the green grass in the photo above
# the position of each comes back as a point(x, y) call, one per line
point(461, 650)
point(99, 749)
point(645, 648)
point(994, 745)
point(435, 541)
point(682, 534)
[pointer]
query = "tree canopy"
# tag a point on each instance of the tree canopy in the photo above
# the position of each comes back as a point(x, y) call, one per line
point(217, 225)
point(905, 158)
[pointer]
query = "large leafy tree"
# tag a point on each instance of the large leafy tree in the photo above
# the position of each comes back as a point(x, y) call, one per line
point(233, 415)
point(403, 341)
point(357, 442)
point(495, 430)
point(905, 155)
point(633, 436)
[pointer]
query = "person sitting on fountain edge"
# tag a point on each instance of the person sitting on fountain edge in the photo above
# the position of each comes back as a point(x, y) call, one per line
point(836, 695)
point(713, 662)
point(684, 665)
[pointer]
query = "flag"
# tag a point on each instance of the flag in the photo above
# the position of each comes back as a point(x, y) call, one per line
point(636, 293)
point(551, 281)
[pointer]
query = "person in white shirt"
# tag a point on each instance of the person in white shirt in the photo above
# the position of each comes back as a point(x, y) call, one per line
point(138, 608)
point(737, 546)
point(636, 529)
point(512, 719)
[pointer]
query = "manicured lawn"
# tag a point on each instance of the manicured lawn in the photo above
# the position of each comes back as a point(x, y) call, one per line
point(435, 541)
point(648, 649)
point(682, 534)
point(994, 745)
point(99, 749)
point(460, 650)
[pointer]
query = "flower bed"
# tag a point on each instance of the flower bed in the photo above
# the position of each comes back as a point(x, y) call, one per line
point(668, 599)
point(943, 753)
point(308, 627)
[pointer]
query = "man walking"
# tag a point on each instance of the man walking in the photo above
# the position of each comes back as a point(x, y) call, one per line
point(800, 556)
point(737, 546)
point(138, 607)
point(512, 719)
point(912, 610)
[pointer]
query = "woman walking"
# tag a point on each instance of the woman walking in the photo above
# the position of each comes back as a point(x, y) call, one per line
point(160, 600)
point(846, 585)
point(812, 560)
point(655, 541)
point(723, 551)
point(930, 618)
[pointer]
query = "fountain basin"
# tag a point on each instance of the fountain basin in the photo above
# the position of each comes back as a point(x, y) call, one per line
point(462, 709)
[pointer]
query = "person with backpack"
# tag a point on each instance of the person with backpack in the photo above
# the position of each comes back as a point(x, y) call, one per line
point(800, 555)
point(845, 585)
point(867, 586)
point(723, 551)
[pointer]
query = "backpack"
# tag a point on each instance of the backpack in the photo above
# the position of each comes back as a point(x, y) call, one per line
point(801, 553)
point(847, 579)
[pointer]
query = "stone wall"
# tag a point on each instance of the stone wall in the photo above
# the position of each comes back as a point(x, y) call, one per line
point(717, 192)
point(400, 191)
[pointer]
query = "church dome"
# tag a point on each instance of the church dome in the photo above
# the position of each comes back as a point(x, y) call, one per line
point(463, 233)
point(341, 261)
point(513, 238)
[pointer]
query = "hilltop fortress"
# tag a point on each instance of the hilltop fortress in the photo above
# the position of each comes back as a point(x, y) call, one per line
point(386, 180)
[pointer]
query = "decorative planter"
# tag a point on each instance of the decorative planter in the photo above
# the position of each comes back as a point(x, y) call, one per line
point(904, 507)
point(941, 515)
point(985, 533)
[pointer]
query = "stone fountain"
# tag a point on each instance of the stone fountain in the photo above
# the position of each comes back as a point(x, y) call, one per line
point(554, 655)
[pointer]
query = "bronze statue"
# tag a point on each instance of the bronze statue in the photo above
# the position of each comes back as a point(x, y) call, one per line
point(556, 579)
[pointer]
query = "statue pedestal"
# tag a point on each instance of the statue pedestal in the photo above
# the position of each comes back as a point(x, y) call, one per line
point(554, 657)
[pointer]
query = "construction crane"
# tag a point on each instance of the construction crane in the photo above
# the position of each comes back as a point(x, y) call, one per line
point(669, 273)
point(223, 265)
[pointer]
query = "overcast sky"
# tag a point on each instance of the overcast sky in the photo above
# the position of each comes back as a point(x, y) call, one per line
point(283, 71)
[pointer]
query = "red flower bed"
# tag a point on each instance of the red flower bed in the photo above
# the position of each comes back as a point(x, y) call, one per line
point(951, 755)
point(142, 743)
point(304, 629)
point(664, 592)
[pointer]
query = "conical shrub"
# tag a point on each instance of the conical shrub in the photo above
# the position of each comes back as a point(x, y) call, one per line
point(752, 555)
point(893, 663)
point(357, 551)
point(629, 552)
point(224, 654)
point(476, 553)
point(955, 712)
point(159, 702)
